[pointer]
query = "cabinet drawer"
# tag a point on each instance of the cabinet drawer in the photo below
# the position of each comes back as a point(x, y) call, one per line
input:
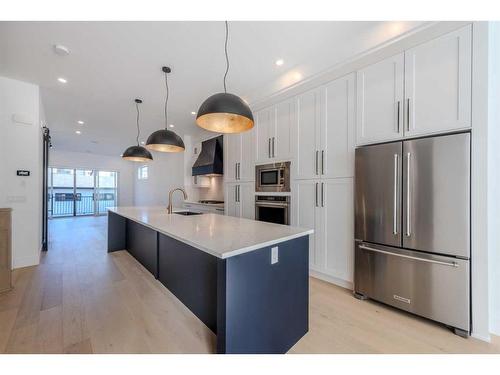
point(432, 286)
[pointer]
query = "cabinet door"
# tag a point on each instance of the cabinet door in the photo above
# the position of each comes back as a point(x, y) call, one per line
point(232, 155)
point(281, 145)
point(264, 125)
point(337, 128)
point(306, 137)
point(247, 200)
point(438, 84)
point(231, 205)
point(306, 213)
point(337, 228)
point(247, 161)
point(379, 109)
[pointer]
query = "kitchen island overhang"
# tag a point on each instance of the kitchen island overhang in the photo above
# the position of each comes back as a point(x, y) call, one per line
point(248, 281)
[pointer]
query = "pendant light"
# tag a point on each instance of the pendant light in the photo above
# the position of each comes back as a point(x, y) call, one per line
point(224, 112)
point(137, 153)
point(165, 140)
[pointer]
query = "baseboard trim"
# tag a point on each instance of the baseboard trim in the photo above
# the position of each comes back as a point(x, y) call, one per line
point(330, 279)
point(481, 337)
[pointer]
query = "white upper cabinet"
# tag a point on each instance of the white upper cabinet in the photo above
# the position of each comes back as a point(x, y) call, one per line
point(281, 140)
point(239, 156)
point(337, 128)
point(232, 156)
point(438, 84)
point(265, 127)
point(379, 107)
point(306, 135)
point(274, 126)
point(246, 167)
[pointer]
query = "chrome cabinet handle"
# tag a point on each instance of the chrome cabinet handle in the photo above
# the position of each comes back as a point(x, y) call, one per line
point(273, 154)
point(269, 147)
point(408, 194)
point(451, 264)
point(399, 114)
point(317, 153)
point(322, 194)
point(408, 114)
point(322, 161)
point(235, 171)
point(238, 191)
point(316, 195)
point(395, 202)
point(238, 170)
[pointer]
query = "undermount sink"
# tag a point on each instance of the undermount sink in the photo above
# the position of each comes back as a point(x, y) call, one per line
point(187, 213)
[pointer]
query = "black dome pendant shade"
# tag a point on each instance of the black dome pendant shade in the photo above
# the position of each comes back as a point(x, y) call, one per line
point(224, 112)
point(165, 140)
point(137, 153)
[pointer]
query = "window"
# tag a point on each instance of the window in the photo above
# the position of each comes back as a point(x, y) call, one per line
point(142, 173)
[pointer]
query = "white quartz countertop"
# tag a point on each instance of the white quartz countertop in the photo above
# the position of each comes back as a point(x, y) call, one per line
point(218, 235)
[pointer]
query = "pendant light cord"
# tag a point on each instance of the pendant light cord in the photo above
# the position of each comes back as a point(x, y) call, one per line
point(137, 122)
point(166, 102)
point(227, 58)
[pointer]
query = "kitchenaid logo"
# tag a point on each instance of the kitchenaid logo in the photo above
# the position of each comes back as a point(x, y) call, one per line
point(402, 299)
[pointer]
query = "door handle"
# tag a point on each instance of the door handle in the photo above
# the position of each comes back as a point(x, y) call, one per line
point(399, 114)
point(322, 194)
point(408, 114)
point(451, 264)
point(316, 194)
point(322, 161)
point(395, 202)
point(274, 154)
point(408, 195)
point(317, 153)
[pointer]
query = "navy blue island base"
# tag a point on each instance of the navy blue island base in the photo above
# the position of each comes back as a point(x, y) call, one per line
point(252, 306)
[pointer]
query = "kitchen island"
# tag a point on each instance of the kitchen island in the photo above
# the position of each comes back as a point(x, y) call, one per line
point(246, 280)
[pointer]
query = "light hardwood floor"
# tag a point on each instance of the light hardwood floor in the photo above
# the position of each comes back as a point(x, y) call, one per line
point(82, 300)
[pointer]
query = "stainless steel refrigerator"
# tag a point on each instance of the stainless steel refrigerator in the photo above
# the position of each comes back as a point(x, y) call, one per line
point(412, 227)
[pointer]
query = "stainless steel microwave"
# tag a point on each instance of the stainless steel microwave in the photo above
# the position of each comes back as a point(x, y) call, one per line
point(272, 177)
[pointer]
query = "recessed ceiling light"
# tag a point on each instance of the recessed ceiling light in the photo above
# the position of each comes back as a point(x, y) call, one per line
point(80, 122)
point(78, 132)
point(279, 62)
point(171, 126)
point(61, 50)
point(62, 80)
point(193, 113)
point(142, 142)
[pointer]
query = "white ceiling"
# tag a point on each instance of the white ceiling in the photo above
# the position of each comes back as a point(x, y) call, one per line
point(111, 63)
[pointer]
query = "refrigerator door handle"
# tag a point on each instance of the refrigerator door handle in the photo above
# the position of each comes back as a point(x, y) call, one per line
point(408, 195)
point(450, 264)
point(395, 202)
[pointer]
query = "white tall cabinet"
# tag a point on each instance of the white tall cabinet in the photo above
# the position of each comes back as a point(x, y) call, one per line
point(239, 174)
point(323, 184)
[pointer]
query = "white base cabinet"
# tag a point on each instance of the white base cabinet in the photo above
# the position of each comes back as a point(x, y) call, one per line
point(327, 206)
point(240, 200)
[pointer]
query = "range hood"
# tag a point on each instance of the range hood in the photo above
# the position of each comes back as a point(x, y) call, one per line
point(210, 161)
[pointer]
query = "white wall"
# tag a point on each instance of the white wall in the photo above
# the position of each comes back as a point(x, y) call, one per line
point(125, 169)
point(21, 148)
point(166, 172)
point(494, 177)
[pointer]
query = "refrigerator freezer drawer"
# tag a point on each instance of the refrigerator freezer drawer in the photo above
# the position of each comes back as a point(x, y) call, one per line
point(435, 287)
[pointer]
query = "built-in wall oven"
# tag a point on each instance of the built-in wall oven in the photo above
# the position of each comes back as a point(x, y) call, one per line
point(273, 177)
point(273, 208)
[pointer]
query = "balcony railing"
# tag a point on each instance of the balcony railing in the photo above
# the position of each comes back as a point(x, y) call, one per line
point(69, 204)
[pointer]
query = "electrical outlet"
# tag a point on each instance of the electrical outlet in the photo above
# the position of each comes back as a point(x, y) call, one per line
point(274, 254)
